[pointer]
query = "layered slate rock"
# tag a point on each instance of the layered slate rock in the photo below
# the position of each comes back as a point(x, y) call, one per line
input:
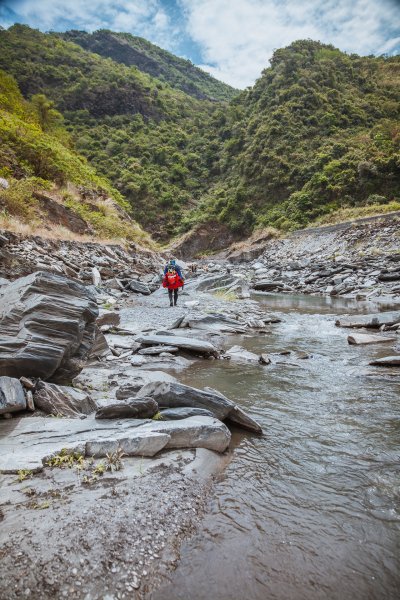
point(47, 326)
point(28, 443)
point(12, 396)
point(176, 395)
point(373, 321)
point(184, 343)
point(387, 361)
point(62, 401)
point(362, 339)
point(136, 408)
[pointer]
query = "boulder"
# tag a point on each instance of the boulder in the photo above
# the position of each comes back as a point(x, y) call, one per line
point(184, 343)
point(373, 321)
point(361, 339)
point(62, 401)
point(241, 354)
point(136, 408)
point(47, 326)
point(138, 287)
point(100, 346)
point(387, 361)
point(173, 414)
point(12, 396)
point(175, 395)
point(96, 277)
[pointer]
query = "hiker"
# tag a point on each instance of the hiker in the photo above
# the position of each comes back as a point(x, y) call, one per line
point(173, 280)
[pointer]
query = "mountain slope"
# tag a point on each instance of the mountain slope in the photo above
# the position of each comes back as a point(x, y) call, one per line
point(142, 134)
point(48, 182)
point(318, 131)
point(131, 50)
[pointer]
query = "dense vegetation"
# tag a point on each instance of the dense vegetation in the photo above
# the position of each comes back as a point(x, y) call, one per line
point(131, 50)
point(146, 137)
point(317, 133)
point(36, 155)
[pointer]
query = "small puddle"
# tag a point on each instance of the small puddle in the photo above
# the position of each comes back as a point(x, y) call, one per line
point(310, 510)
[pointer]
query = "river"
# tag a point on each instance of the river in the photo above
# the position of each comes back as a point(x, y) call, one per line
point(310, 510)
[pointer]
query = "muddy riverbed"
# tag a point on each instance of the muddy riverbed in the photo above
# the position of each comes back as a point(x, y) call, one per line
point(310, 510)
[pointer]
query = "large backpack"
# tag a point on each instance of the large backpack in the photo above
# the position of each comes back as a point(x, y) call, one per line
point(172, 279)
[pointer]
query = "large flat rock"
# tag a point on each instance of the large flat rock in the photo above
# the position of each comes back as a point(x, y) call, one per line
point(193, 345)
point(374, 321)
point(25, 443)
point(362, 339)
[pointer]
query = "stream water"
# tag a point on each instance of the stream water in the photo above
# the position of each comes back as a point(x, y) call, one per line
point(310, 510)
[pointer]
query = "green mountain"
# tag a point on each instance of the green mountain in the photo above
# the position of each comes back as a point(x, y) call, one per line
point(131, 50)
point(317, 132)
point(39, 164)
point(145, 136)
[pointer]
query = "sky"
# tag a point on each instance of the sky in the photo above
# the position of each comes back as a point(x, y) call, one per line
point(231, 39)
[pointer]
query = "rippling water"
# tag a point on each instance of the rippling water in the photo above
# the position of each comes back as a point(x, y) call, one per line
point(311, 510)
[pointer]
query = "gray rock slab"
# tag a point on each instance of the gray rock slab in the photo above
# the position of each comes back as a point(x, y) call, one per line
point(154, 350)
point(138, 381)
point(12, 396)
point(47, 326)
point(138, 287)
point(373, 321)
point(387, 361)
point(193, 345)
point(108, 317)
point(361, 339)
point(216, 322)
point(26, 443)
point(136, 408)
point(138, 444)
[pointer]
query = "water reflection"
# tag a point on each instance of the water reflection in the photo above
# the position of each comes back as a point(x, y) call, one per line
point(311, 510)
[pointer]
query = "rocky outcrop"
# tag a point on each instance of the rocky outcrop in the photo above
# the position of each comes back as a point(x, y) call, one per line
point(21, 255)
point(177, 395)
point(12, 397)
point(47, 327)
point(62, 401)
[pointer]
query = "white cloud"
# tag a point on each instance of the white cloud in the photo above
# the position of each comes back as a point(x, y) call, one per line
point(238, 37)
point(141, 17)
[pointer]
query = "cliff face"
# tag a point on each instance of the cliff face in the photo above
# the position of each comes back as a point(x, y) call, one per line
point(131, 50)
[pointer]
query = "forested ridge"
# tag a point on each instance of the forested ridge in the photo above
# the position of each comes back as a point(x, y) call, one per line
point(317, 132)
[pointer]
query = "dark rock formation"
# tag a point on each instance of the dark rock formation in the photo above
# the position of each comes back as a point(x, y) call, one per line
point(136, 408)
point(47, 327)
point(12, 397)
point(62, 401)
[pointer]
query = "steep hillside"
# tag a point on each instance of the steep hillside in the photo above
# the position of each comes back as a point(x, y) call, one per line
point(45, 182)
point(146, 137)
point(131, 50)
point(318, 131)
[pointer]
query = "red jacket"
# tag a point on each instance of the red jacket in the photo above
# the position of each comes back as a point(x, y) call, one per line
point(172, 281)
